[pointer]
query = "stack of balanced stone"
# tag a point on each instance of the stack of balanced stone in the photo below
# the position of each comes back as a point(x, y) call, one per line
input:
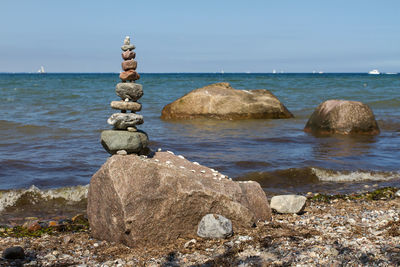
point(125, 138)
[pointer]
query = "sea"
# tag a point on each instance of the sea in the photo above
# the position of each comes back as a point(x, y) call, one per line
point(50, 127)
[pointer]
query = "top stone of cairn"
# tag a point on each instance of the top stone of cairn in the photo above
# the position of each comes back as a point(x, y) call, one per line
point(127, 44)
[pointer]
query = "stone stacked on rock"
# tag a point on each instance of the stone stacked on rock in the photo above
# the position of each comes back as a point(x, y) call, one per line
point(125, 135)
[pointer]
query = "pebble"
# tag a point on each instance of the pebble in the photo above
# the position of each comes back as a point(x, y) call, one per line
point(190, 243)
point(398, 193)
point(203, 171)
point(159, 149)
point(182, 157)
point(170, 152)
point(122, 152)
point(168, 162)
point(196, 163)
point(13, 253)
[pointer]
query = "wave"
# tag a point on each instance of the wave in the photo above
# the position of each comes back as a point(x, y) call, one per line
point(36, 196)
point(298, 177)
point(353, 176)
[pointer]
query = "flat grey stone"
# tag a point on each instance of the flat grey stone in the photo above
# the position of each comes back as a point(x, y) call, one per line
point(132, 91)
point(124, 105)
point(131, 142)
point(128, 47)
point(214, 226)
point(121, 121)
point(288, 203)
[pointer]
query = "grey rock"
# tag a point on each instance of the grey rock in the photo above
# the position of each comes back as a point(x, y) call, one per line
point(131, 142)
point(342, 117)
point(121, 121)
point(132, 91)
point(124, 105)
point(214, 226)
point(288, 203)
point(398, 193)
point(13, 253)
point(128, 47)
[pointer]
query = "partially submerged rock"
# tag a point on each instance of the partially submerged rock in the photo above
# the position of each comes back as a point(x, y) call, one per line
point(288, 203)
point(214, 226)
point(147, 201)
point(342, 117)
point(221, 101)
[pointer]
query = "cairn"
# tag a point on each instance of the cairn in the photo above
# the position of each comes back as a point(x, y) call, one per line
point(125, 138)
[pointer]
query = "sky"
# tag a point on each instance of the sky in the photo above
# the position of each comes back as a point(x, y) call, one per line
point(201, 36)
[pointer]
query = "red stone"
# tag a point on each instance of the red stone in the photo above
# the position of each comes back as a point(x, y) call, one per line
point(129, 65)
point(128, 55)
point(129, 75)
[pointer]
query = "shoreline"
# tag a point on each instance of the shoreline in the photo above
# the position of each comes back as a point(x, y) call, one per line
point(355, 229)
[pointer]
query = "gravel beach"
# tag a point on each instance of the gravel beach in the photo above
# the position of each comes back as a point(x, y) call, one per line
point(332, 231)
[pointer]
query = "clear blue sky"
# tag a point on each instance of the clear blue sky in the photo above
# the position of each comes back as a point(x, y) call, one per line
point(201, 36)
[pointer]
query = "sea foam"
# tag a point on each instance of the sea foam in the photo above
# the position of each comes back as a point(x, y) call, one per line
point(353, 176)
point(9, 198)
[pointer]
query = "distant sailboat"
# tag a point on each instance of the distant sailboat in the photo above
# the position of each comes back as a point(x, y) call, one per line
point(274, 71)
point(41, 70)
point(374, 72)
point(222, 71)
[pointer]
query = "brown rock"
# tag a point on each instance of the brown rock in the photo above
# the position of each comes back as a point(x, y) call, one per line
point(221, 101)
point(34, 226)
point(129, 65)
point(124, 105)
point(53, 224)
point(127, 55)
point(153, 201)
point(129, 75)
point(342, 117)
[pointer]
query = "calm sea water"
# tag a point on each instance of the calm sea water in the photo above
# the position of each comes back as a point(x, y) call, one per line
point(50, 127)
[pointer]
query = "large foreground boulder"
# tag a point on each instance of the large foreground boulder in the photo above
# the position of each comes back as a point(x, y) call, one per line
point(221, 101)
point(342, 117)
point(141, 201)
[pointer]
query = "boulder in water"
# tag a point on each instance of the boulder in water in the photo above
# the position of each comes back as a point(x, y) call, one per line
point(142, 201)
point(221, 101)
point(342, 117)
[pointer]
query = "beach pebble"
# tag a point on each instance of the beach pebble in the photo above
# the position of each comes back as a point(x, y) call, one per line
point(170, 152)
point(214, 226)
point(126, 105)
point(190, 243)
point(159, 150)
point(196, 163)
point(398, 193)
point(13, 253)
point(132, 129)
point(288, 203)
point(128, 47)
point(181, 157)
point(203, 171)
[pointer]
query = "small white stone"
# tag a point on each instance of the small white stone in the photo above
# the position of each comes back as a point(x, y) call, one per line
point(192, 170)
point(213, 170)
point(190, 242)
point(170, 152)
point(159, 149)
point(398, 193)
point(181, 157)
point(168, 162)
point(215, 174)
point(122, 152)
point(182, 167)
point(156, 160)
point(223, 176)
point(196, 163)
point(96, 245)
point(203, 171)
point(126, 99)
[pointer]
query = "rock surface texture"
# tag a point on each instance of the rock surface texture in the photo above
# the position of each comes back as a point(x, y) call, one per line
point(288, 203)
point(342, 117)
point(221, 101)
point(142, 201)
point(214, 226)
point(124, 136)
